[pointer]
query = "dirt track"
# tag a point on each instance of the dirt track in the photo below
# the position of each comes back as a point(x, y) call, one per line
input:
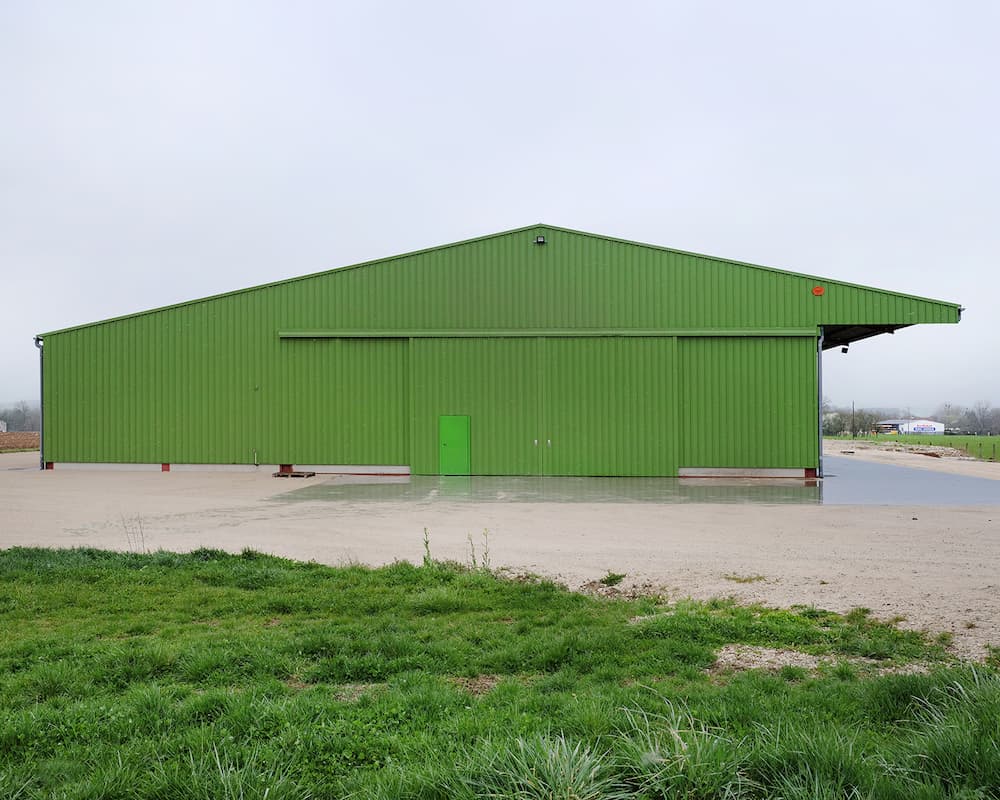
point(937, 567)
point(936, 459)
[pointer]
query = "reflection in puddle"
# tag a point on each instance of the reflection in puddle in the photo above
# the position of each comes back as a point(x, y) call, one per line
point(525, 489)
point(847, 482)
point(851, 481)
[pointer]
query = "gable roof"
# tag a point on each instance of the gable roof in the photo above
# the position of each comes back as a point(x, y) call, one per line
point(836, 334)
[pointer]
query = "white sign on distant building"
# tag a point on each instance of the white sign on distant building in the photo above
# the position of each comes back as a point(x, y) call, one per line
point(922, 426)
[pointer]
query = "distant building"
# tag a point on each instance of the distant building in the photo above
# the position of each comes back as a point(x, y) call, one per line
point(897, 426)
point(3, 426)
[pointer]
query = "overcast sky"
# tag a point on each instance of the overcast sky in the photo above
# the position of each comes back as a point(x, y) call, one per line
point(157, 152)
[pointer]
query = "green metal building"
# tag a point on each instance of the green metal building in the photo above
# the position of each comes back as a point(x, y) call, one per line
point(538, 351)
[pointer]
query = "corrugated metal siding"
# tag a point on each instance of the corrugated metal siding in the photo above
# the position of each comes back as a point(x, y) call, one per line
point(210, 387)
point(748, 402)
point(340, 402)
point(606, 404)
point(609, 406)
point(573, 281)
point(581, 282)
point(495, 383)
point(211, 381)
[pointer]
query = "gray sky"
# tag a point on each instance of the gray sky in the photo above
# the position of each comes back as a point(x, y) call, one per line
point(157, 152)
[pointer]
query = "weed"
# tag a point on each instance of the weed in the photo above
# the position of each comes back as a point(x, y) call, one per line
point(744, 578)
point(481, 564)
point(612, 578)
point(428, 561)
point(135, 533)
point(858, 615)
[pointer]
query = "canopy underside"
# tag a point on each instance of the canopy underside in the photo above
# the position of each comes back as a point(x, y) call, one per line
point(843, 335)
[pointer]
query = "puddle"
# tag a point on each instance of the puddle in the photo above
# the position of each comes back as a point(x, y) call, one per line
point(864, 483)
point(526, 489)
point(847, 482)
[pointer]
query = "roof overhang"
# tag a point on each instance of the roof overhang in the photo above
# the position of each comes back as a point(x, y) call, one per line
point(843, 335)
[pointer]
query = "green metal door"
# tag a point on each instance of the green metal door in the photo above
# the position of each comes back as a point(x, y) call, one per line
point(608, 406)
point(454, 445)
point(561, 405)
point(770, 381)
point(491, 380)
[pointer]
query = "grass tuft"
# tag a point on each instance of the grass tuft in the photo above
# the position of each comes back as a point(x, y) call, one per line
point(612, 578)
point(671, 754)
point(539, 768)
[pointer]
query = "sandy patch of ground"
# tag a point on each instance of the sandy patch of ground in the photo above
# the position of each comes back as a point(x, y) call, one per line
point(938, 458)
point(739, 657)
point(938, 568)
point(478, 685)
point(352, 692)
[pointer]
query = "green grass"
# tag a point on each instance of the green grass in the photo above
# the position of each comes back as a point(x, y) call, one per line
point(986, 448)
point(210, 675)
point(18, 450)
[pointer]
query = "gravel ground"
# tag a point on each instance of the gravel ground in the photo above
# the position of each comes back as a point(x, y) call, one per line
point(938, 568)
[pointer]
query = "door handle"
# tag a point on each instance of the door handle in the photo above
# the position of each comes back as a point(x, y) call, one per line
point(549, 442)
point(536, 442)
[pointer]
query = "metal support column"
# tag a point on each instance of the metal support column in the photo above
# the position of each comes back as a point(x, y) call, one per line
point(41, 403)
point(819, 398)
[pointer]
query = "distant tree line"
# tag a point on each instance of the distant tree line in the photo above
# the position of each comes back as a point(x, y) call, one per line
point(21, 417)
point(980, 419)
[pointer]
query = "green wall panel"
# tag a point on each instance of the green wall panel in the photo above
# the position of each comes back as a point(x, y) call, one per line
point(609, 406)
point(748, 402)
point(495, 383)
point(339, 401)
point(168, 396)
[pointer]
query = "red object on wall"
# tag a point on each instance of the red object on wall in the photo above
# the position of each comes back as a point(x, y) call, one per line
point(819, 291)
point(164, 468)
